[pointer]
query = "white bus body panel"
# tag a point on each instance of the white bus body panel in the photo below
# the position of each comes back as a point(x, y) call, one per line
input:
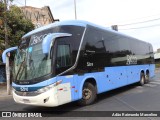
point(56, 96)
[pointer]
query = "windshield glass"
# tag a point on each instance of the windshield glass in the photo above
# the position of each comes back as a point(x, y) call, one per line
point(30, 61)
point(31, 65)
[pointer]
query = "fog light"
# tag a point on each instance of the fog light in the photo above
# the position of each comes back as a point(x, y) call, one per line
point(45, 100)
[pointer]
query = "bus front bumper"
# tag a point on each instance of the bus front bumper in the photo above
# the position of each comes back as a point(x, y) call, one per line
point(48, 98)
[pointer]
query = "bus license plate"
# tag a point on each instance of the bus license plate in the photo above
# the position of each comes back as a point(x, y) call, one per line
point(26, 101)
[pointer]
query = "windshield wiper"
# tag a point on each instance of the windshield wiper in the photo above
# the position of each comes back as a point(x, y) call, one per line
point(22, 64)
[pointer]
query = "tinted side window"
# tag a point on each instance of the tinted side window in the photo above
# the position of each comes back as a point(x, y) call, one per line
point(93, 50)
point(63, 56)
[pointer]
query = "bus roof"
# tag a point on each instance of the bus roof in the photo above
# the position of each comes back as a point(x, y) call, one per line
point(70, 22)
point(81, 23)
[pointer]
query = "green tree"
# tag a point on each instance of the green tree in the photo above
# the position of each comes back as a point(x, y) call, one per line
point(17, 26)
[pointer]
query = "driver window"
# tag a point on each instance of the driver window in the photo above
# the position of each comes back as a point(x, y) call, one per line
point(63, 56)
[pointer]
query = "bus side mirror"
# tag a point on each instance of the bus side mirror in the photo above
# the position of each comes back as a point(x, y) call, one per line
point(49, 39)
point(4, 54)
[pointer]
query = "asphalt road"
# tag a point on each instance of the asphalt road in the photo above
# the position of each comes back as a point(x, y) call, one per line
point(129, 98)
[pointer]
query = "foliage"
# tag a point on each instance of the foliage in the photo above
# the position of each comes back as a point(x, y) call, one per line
point(17, 26)
point(157, 65)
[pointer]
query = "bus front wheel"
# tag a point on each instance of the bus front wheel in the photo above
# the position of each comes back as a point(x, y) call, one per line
point(89, 94)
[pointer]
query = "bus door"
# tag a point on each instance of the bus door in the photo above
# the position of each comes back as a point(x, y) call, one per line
point(64, 89)
point(62, 64)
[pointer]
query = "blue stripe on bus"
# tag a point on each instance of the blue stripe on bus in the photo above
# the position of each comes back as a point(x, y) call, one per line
point(35, 87)
point(111, 78)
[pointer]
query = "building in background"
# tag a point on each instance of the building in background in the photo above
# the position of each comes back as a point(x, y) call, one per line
point(38, 16)
point(158, 50)
point(157, 56)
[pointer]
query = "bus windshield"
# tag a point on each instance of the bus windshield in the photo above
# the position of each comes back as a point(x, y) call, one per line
point(32, 64)
point(30, 61)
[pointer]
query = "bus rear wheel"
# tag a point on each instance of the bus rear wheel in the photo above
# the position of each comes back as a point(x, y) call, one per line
point(142, 79)
point(147, 78)
point(89, 94)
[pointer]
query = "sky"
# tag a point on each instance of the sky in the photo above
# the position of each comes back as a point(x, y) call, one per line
point(136, 18)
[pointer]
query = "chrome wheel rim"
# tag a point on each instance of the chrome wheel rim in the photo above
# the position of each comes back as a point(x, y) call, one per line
point(87, 94)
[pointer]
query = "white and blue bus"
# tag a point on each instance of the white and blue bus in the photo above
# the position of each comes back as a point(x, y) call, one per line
point(76, 60)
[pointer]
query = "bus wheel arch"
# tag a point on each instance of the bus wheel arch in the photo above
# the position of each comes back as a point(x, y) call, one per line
point(142, 78)
point(89, 92)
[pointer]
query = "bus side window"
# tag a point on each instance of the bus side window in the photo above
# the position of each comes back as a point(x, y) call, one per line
point(63, 56)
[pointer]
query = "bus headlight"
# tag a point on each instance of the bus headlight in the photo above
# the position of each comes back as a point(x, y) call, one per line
point(39, 91)
point(45, 89)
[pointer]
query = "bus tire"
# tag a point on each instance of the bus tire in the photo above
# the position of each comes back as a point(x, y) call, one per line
point(147, 78)
point(142, 79)
point(89, 94)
